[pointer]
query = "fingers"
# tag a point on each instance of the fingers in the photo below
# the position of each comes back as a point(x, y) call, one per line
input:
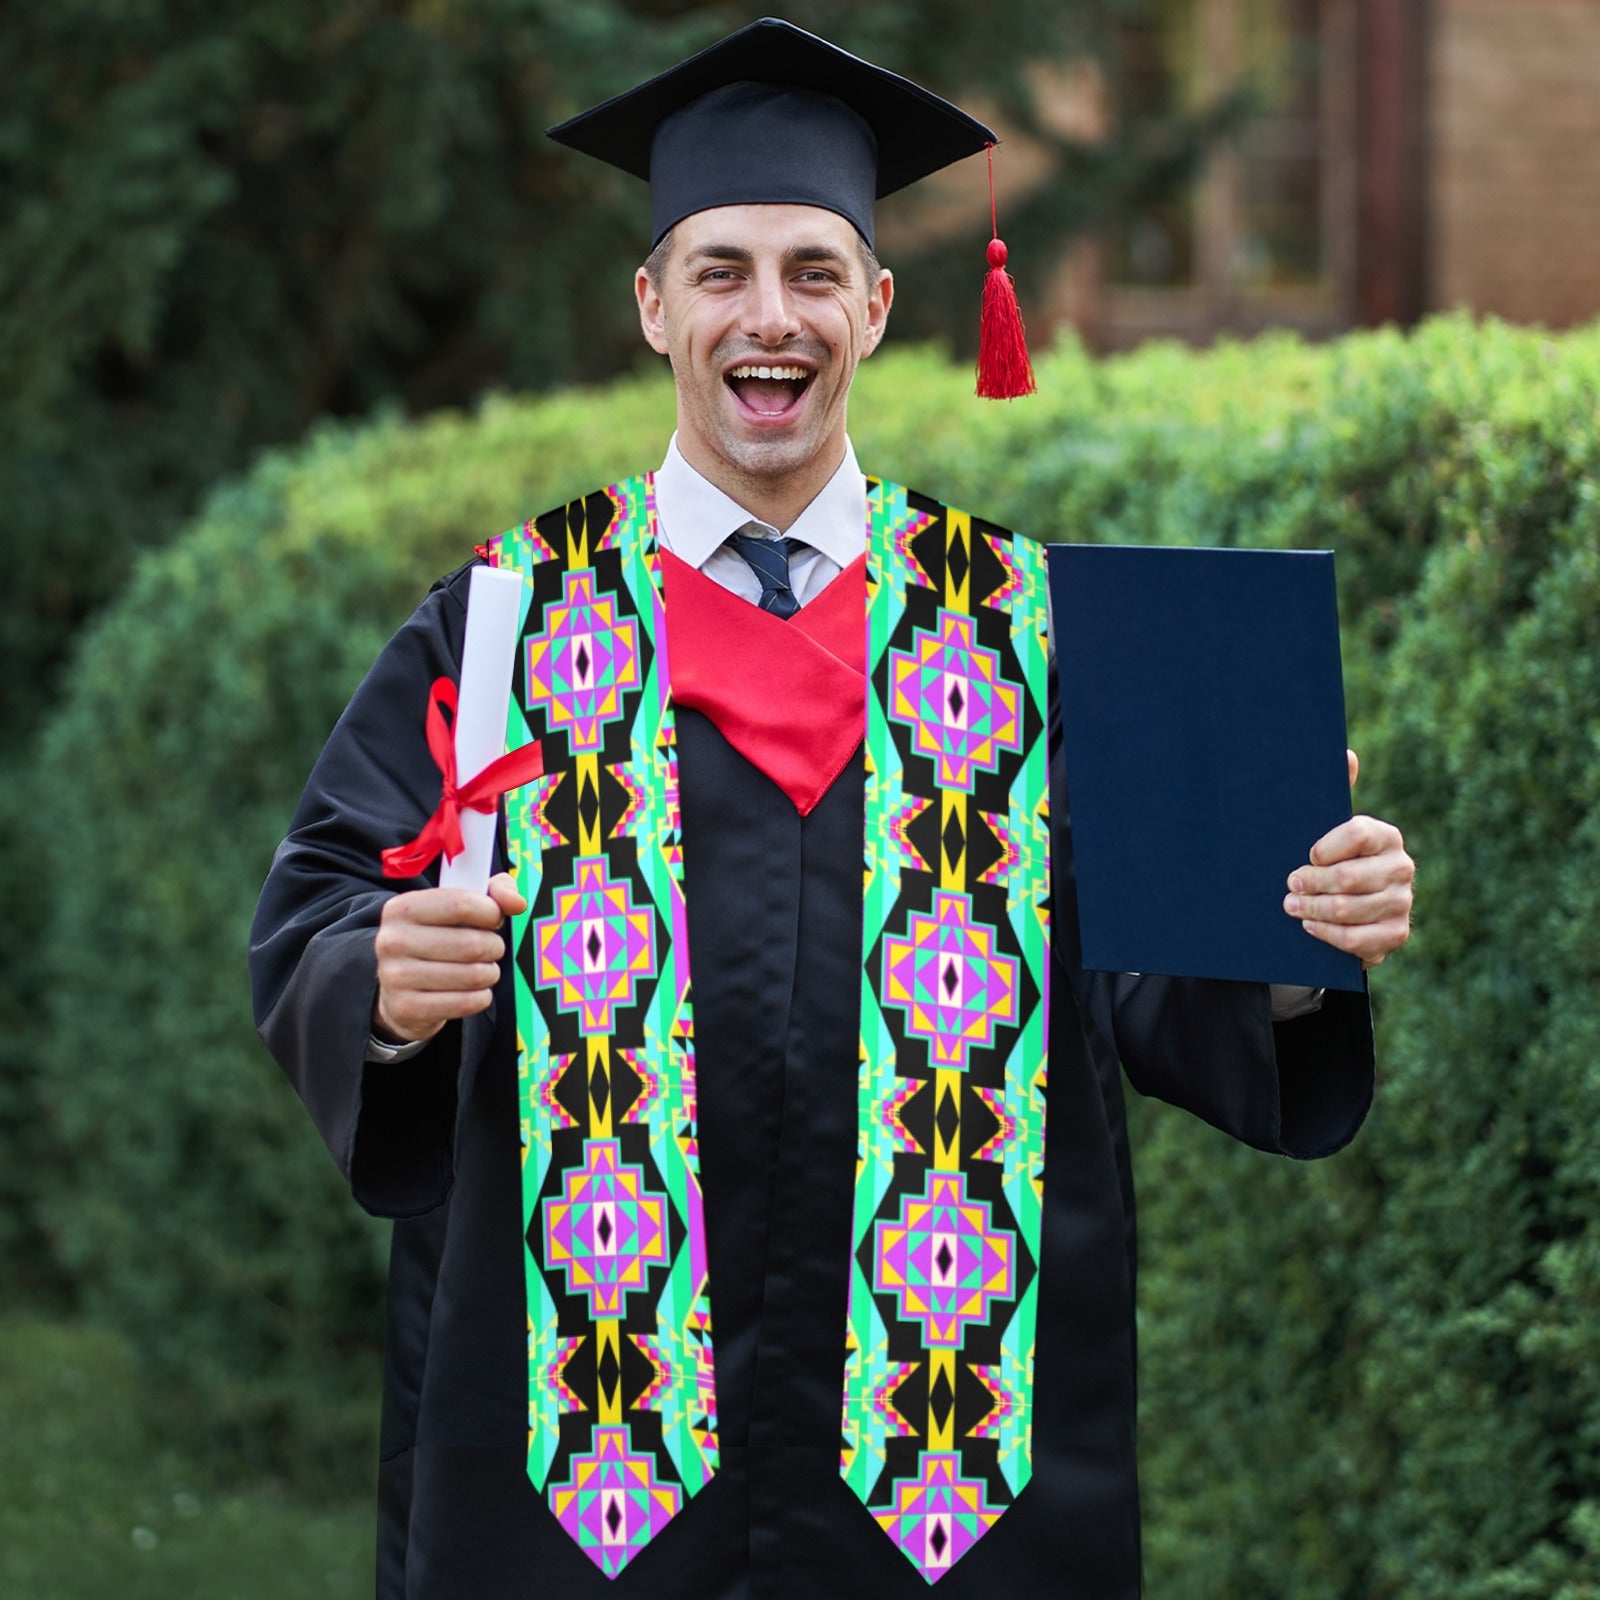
point(1372, 942)
point(411, 1015)
point(1360, 836)
point(439, 957)
point(1356, 892)
point(437, 977)
point(425, 941)
point(1315, 888)
point(1378, 904)
point(504, 892)
point(1354, 763)
point(450, 908)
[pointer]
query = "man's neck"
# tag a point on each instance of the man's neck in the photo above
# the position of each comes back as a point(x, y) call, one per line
point(777, 501)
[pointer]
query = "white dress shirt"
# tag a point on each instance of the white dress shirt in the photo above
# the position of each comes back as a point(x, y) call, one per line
point(696, 517)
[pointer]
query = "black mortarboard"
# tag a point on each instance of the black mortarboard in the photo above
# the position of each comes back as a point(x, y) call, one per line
point(774, 115)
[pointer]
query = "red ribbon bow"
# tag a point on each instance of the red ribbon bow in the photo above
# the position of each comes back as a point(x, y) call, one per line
point(442, 831)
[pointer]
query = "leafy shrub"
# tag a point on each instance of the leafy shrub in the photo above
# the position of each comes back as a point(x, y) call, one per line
point(1375, 1378)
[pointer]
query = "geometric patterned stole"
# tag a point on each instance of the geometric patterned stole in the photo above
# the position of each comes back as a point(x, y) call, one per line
point(938, 1410)
point(622, 1425)
point(621, 1395)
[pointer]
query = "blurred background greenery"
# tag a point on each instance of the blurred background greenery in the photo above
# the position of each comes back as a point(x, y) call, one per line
point(295, 307)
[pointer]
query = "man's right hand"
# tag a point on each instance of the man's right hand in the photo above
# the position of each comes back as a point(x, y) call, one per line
point(439, 957)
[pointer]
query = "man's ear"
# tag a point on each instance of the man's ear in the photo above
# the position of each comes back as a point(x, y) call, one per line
point(652, 315)
point(878, 303)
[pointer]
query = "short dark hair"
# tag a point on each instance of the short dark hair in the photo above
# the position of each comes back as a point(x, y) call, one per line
point(656, 262)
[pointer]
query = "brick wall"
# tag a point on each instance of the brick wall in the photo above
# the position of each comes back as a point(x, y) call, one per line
point(1515, 158)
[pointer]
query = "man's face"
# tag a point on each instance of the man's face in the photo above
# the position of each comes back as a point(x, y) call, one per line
point(780, 290)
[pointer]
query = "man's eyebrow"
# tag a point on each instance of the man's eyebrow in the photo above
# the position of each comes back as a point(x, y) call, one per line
point(720, 252)
point(738, 255)
point(818, 254)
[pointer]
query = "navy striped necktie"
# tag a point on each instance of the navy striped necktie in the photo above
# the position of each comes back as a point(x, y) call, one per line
point(769, 560)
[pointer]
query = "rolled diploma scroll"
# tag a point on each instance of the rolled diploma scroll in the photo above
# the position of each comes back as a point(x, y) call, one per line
point(494, 616)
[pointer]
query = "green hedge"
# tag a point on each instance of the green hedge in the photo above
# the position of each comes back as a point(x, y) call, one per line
point(1377, 1377)
point(1370, 1378)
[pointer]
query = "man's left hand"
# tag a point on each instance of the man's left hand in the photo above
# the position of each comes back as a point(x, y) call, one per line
point(1355, 893)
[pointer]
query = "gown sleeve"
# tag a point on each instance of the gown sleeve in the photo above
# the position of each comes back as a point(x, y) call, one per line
point(1300, 1088)
point(390, 1127)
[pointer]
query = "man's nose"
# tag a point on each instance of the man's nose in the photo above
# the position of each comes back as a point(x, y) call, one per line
point(772, 318)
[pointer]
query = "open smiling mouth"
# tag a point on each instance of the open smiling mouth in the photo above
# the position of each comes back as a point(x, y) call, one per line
point(769, 391)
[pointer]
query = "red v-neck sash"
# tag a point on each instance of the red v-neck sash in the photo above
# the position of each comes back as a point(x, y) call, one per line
point(789, 696)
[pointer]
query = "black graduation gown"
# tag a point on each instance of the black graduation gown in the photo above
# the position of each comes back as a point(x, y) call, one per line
point(775, 949)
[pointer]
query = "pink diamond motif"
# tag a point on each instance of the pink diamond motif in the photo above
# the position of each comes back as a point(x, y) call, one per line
point(954, 986)
point(944, 1261)
point(948, 689)
point(596, 948)
point(605, 1230)
point(580, 666)
point(938, 1516)
point(613, 1504)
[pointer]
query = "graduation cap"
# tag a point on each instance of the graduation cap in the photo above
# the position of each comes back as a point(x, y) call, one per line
point(773, 115)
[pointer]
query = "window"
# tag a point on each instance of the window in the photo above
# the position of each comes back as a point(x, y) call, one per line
point(1264, 236)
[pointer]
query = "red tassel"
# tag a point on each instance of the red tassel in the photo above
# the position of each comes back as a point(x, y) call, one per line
point(1004, 370)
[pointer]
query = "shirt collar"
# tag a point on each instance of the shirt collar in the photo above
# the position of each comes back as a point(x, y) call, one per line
point(696, 516)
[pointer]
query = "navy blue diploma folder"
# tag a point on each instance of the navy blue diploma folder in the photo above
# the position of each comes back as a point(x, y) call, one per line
point(1203, 714)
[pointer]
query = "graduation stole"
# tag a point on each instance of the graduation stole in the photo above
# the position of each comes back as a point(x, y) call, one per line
point(938, 1352)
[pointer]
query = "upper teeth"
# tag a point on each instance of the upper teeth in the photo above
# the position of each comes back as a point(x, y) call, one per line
point(768, 372)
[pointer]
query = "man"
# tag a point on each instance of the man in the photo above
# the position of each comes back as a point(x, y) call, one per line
point(805, 1291)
